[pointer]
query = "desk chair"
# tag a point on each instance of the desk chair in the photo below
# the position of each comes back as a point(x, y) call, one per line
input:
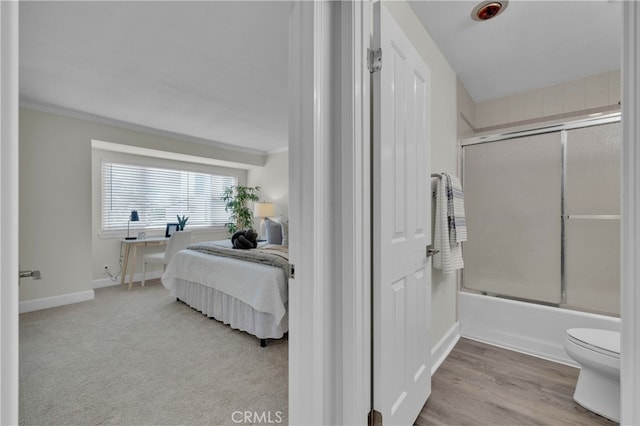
point(177, 241)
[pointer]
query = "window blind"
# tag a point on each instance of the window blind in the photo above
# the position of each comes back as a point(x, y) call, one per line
point(159, 195)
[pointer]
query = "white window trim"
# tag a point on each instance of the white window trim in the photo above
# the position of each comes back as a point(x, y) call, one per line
point(100, 155)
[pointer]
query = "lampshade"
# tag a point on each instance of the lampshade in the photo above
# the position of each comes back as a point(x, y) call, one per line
point(263, 210)
point(134, 216)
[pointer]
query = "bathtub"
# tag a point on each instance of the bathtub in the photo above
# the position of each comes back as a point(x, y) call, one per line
point(529, 328)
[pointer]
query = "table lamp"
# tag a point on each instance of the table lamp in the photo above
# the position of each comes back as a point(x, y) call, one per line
point(263, 210)
point(133, 217)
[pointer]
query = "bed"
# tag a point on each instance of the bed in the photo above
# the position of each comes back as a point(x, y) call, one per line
point(249, 293)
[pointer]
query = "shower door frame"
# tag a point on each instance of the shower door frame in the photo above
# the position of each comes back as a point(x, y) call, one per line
point(561, 128)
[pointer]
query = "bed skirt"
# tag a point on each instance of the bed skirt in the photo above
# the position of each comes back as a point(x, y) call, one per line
point(229, 310)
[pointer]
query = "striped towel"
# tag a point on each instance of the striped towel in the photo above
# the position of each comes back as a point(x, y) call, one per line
point(450, 256)
point(455, 210)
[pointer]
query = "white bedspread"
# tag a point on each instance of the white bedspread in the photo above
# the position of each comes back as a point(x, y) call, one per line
point(262, 287)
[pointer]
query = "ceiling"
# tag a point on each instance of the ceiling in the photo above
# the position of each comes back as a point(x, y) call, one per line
point(530, 45)
point(211, 70)
point(218, 70)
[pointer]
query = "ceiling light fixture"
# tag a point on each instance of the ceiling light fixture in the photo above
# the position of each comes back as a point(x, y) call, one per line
point(488, 9)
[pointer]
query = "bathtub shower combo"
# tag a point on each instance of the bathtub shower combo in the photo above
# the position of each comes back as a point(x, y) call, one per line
point(543, 218)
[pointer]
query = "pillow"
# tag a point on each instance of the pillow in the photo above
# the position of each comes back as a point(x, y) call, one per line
point(274, 231)
point(285, 233)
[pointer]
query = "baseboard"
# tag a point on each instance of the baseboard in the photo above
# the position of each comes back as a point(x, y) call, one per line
point(524, 347)
point(108, 282)
point(83, 296)
point(105, 282)
point(441, 351)
point(52, 302)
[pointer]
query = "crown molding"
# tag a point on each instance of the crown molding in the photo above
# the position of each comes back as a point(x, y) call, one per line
point(82, 115)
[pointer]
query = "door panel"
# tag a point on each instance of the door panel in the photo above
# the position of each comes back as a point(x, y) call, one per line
point(513, 207)
point(592, 264)
point(593, 170)
point(402, 217)
point(592, 226)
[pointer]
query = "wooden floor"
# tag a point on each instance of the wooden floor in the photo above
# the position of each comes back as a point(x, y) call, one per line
point(481, 384)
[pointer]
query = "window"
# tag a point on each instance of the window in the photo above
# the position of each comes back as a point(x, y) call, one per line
point(159, 195)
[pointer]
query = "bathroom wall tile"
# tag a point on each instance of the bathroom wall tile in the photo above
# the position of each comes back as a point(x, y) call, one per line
point(483, 115)
point(483, 118)
point(464, 130)
point(534, 104)
point(591, 92)
point(614, 79)
point(573, 104)
point(614, 87)
point(614, 95)
point(498, 109)
point(596, 82)
point(573, 88)
point(553, 100)
point(596, 98)
point(515, 108)
point(596, 90)
point(573, 95)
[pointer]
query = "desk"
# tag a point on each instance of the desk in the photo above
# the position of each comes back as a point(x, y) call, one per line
point(128, 244)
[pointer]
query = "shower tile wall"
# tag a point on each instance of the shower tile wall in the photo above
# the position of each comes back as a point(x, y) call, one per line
point(598, 93)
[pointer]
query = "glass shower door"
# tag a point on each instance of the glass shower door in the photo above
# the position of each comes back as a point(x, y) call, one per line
point(513, 211)
point(592, 218)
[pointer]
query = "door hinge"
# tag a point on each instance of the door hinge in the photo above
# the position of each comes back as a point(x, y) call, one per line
point(292, 271)
point(375, 60)
point(375, 418)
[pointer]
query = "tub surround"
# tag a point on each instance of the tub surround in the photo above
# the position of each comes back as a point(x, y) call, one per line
point(532, 329)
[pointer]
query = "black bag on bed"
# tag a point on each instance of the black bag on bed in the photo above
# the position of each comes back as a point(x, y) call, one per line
point(245, 239)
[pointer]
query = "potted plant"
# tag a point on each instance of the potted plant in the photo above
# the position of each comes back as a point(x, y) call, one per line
point(236, 198)
point(182, 222)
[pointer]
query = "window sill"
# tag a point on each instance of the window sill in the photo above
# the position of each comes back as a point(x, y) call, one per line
point(155, 232)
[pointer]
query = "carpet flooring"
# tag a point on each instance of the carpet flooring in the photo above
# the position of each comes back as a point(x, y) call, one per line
point(141, 358)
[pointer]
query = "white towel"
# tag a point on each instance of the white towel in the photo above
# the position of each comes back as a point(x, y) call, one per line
point(450, 256)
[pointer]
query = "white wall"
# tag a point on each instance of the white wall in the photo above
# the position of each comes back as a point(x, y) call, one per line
point(273, 179)
point(56, 232)
point(443, 149)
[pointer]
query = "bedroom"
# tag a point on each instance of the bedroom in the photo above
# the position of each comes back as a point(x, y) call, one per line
point(62, 233)
point(444, 128)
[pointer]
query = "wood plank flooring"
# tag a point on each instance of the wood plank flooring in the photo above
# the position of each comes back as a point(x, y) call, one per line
point(480, 384)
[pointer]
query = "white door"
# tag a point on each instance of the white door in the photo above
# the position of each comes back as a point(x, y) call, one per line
point(402, 227)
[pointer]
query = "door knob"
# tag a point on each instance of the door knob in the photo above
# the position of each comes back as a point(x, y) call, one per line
point(431, 251)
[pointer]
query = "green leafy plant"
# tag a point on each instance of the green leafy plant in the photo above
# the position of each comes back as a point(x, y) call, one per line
point(182, 221)
point(236, 198)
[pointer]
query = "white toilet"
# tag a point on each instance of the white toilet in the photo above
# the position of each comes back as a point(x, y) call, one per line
point(598, 353)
